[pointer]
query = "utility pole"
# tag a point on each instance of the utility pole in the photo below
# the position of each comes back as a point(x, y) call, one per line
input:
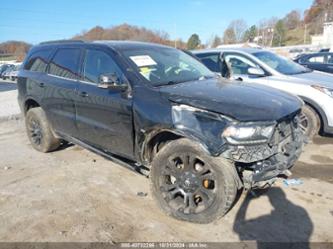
point(305, 27)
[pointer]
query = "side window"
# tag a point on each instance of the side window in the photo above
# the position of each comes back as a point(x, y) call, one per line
point(317, 59)
point(65, 63)
point(330, 59)
point(38, 61)
point(98, 62)
point(238, 63)
point(212, 61)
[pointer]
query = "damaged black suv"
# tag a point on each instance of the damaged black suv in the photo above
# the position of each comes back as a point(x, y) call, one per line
point(159, 110)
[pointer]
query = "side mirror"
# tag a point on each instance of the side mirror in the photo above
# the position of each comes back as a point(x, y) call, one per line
point(255, 71)
point(111, 81)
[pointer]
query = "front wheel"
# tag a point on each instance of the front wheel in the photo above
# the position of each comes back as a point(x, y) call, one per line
point(310, 121)
point(190, 185)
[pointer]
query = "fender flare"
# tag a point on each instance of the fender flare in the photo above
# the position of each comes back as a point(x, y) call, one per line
point(181, 134)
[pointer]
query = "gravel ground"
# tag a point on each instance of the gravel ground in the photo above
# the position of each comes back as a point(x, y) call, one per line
point(8, 97)
point(75, 195)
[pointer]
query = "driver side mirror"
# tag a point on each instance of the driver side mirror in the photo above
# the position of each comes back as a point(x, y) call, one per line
point(111, 81)
point(255, 71)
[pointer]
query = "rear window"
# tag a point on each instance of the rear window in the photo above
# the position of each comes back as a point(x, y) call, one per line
point(38, 61)
point(65, 63)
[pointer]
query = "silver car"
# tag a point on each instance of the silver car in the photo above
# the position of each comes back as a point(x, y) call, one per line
point(264, 67)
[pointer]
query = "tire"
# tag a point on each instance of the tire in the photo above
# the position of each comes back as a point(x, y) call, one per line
point(184, 190)
point(310, 122)
point(39, 131)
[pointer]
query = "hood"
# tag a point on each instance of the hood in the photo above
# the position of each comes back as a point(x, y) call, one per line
point(313, 78)
point(241, 101)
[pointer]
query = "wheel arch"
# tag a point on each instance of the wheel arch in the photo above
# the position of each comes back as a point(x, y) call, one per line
point(30, 103)
point(156, 139)
point(318, 110)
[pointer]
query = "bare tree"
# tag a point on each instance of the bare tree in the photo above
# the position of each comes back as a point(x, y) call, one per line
point(239, 27)
point(293, 19)
point(229, 36)
point(214, 41)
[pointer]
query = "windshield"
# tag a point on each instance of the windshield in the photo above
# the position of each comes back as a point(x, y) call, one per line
point(280, 64)
point(163, 66)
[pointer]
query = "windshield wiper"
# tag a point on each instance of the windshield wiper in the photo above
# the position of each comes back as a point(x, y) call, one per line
point(303, 71)
point(171, 82)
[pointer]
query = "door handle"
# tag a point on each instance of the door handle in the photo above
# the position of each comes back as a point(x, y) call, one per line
point(41, 84)
point(83, 94)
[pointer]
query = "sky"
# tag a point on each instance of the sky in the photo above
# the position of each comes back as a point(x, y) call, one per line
point(34, 21)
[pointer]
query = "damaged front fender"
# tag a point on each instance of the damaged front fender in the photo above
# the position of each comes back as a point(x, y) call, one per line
point(205, 126)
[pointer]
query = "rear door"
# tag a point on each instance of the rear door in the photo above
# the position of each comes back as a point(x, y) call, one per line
point(104, 116)
point(60, 85)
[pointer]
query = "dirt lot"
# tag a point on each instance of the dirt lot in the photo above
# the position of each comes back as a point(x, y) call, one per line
point(75, 195)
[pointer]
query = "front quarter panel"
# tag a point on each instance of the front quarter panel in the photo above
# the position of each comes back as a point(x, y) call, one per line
point(154, 113)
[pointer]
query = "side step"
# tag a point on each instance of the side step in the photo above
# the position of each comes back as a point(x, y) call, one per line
point(138, 168)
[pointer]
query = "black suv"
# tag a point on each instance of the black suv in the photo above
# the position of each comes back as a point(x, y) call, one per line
point(159, 110)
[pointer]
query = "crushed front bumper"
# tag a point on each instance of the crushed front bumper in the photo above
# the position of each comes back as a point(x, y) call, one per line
point(263, 162)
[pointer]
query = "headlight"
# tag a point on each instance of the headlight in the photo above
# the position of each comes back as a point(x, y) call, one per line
point(248, 133)
point(325, 90)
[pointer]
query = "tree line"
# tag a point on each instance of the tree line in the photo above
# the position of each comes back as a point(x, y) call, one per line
point(294, 28)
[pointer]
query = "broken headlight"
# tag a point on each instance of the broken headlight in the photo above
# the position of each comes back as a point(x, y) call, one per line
point(251, 133)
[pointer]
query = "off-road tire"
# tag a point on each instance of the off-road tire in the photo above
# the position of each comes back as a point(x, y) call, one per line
point(224, 170)
point(313, 121)
point(39, 131)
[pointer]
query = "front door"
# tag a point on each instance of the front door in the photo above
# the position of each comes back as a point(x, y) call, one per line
point(104, 116)
point(239, 65)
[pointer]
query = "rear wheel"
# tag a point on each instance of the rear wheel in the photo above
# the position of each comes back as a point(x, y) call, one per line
point(190, 185)
point(310, 121)
point(39, 131)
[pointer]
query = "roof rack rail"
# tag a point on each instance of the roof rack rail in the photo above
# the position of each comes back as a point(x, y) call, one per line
point(62, 41)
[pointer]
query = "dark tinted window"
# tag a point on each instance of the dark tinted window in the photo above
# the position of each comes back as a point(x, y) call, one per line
point(320, 59)
point(38, 61)
point(330, 59)
point(211, 61)
point(65, 63)
point(96, 63)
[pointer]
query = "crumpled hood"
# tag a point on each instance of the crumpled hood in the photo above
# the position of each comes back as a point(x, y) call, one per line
point(312, 78)
point(241, 101)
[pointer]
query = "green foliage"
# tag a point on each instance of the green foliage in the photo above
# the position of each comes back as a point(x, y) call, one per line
point(250, 34)
point(279, 34)
point(193, 42)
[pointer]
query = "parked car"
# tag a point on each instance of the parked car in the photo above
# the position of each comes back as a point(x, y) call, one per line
point(6, 74)
point(264, 67)
point(13, 72)
point(3, 68)
point(199, 137)
point(317, 61)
